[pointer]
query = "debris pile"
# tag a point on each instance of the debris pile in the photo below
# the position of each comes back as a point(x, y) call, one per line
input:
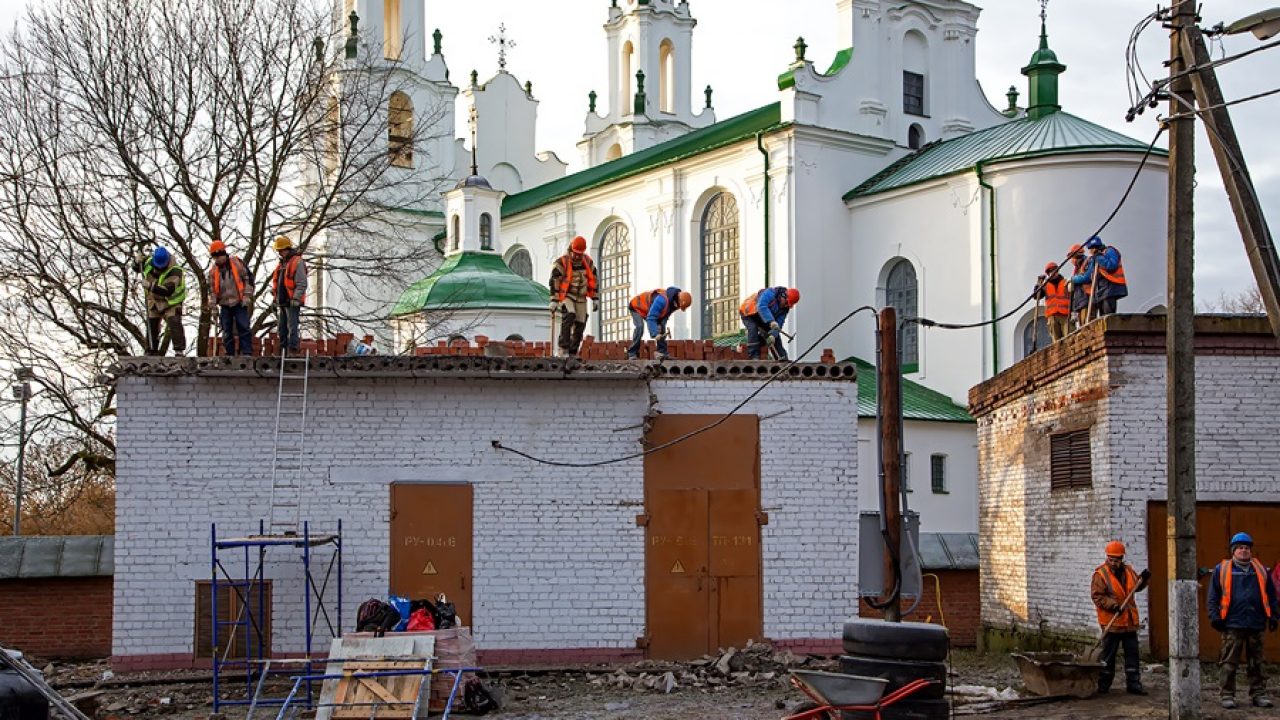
point(757, 664)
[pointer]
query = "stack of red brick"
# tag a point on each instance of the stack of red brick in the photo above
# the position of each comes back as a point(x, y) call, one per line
point(270, 345)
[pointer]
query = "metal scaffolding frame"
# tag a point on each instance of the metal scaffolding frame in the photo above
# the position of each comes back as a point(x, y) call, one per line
point(251, 596)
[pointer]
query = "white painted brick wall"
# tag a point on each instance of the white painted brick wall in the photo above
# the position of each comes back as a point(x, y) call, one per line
point(558, 559)
point(1040, 548)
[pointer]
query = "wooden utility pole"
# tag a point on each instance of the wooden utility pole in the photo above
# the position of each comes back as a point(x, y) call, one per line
point(890, 392)
point(1235, 174)
point(1184, 618)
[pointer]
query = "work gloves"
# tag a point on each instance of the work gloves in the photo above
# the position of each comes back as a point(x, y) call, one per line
point(1218, 624)
point(1144, 578)
point(773, 326)
point(768, 340)
point(553, 305)
point(161, 290)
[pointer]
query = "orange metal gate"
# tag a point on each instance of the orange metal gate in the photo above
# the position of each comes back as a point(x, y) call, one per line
point(703, 587)
point(431, 543)
point(1215, 524)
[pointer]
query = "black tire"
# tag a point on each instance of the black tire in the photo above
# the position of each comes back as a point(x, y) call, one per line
point(899, 673)
point(896, 641)
point(908, 710)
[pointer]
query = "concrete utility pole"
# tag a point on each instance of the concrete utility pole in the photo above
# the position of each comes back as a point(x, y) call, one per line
point(890, 401)
point(1184, 618)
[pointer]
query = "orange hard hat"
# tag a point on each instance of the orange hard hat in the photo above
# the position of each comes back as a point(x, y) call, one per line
point(579, 244)
point(1051, 268)
point(793, 296)
point(1115, 548)
point(684, 300)
point(217, 246)
point(1074, 249)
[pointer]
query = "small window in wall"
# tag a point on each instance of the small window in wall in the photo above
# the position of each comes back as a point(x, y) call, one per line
point(938, 473)
point(521, 263)
point(486, 232)
point(666, 77)
point(1035, 336)
point(1070, 462)
point(614, 152)
point(902, 294)
point(906, 472)
point(515, 338)
point(912, 93)
point(455, 232)
point(457, 340)
point(915, 137)
point(391, 30)
point(400, 129)
point(232, 639)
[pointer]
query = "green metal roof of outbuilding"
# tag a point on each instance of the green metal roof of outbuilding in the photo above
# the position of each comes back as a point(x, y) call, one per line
point(918, 401)
point(697, 142)
point(1056, 133)
point(472, 280)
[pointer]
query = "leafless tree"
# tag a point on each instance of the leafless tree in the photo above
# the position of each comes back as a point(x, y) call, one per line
point(126, 125)
point(1244, 302)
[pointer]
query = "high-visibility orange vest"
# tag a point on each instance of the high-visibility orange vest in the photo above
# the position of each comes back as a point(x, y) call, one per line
point(566, 268)
point(749, 306)
point(290, 278)
point(1117, 277)
point(1056, 299)
point(642, 302)
point(235, 275)
point(1224, 577)
point(1129, 614)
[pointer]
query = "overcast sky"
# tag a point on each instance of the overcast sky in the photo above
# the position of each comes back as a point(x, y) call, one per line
point(740, 47)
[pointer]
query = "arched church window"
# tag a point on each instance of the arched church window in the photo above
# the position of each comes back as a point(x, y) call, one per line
point(455, 232)
point(719, 235)
point(486, 232)
point(915, 137)
point(915, 70)
point(521, 263)
point(392, 41)
point(901, 292)
point(614, 152)
point(615, 282)
point(667, 77)
point(400, 129)
point(628, 52)
point(1035, 335)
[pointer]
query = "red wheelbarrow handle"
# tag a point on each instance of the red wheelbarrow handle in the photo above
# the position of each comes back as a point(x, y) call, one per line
point(901, 693)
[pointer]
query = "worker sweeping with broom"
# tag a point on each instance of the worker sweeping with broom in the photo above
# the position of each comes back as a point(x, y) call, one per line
point(1113, 586)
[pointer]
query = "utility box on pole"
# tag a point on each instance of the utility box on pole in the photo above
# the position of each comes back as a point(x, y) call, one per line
point(871, 551)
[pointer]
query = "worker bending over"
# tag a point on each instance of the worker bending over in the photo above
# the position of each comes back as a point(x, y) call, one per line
point(763, 314)
point(653, 309)
point(573, 282)
point(165, 286)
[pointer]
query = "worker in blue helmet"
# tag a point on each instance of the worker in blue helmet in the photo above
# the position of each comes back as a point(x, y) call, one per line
point(165, 287)
point(1103, 272)
point(1242, 604)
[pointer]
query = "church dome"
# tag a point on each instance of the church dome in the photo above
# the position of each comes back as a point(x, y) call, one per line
point(475, 181)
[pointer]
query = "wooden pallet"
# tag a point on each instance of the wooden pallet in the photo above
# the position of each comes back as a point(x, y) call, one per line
point(391, 698)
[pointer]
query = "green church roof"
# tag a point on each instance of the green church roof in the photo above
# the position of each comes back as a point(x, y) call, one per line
point(918, 401)
point(472, 280)
point(1056, 133)
point(697, 142)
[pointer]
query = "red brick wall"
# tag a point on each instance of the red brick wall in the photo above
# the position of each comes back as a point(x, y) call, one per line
point(57, 617)
point(960, 604)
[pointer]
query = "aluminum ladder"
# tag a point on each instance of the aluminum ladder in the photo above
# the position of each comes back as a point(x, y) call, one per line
point(289, 444)
point(60, 707)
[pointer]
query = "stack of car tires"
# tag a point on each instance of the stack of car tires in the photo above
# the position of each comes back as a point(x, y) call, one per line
point(900, 653)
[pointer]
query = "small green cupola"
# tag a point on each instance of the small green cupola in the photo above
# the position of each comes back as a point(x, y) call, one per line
point(1042, 75)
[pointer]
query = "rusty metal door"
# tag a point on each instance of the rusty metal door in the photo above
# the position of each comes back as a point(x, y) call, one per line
point(431, 543)
point(703, 584)
point(1215, 524)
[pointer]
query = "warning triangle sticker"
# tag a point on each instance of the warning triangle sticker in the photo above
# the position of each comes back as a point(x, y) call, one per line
point(430, 569)
point(677, 568)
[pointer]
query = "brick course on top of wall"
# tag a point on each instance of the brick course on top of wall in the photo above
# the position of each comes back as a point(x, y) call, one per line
point(558, 559)
point(57, 618)
point(1040, 546)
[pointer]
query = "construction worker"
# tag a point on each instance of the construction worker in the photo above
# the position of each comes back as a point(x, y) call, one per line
point(1079, 292)
point(764, 314)
point(1052, 288)
point(165, 286)
point(1241, 604)
point(231, 293)
point(652, 309)
point(289, 286)
point(573, 282)
point(1113, 586)
point(1105, 272)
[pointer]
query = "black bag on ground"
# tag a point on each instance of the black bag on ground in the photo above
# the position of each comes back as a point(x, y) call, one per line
point(376, 616)
point(476, 698)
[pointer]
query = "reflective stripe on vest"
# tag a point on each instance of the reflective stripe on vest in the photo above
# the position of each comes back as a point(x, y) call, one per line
point(1224, 576)
point(290, 278)
point(235, 275)
point(642, 302)
point(1128, 614)
point(566, 268)
point(1056, 299)
point(1117, 277)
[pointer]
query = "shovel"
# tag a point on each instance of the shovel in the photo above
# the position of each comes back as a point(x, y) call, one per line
point(1092, 655)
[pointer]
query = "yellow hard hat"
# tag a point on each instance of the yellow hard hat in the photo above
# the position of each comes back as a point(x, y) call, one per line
point(282, 242)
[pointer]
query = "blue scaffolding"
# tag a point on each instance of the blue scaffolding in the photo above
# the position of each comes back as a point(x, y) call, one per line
point(251, 613)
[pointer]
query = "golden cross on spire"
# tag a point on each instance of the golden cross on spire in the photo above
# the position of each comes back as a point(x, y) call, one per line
point(504, 43)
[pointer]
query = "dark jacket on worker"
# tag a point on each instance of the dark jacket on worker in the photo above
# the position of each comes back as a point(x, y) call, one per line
point(769, 306)
point(1246, 610)
point(661, 306)
point(1108, 262)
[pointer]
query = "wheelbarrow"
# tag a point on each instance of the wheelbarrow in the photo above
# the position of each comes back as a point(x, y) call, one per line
point(1051, 674)
point(837, 692)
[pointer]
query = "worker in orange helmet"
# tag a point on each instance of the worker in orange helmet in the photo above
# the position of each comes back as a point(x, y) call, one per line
point(653, 308)
point(573, 282)
point(1079, 291)
point(1053, 289)
point(231, 294)
point(1113, 586)
point(764, 314)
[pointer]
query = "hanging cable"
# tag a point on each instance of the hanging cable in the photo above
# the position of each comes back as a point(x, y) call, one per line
point(1229, 103)
point(497, 444)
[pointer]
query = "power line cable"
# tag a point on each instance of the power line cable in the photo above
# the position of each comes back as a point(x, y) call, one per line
point(497, 444)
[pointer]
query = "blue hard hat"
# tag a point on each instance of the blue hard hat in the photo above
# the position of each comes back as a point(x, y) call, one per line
point(1241, 538)
point(160, 258)
point(1093, 243)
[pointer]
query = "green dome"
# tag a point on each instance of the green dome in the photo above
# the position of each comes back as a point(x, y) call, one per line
point(472, 280)
point(1044, 57)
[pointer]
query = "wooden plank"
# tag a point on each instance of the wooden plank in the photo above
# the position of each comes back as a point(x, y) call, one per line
point(394, 696)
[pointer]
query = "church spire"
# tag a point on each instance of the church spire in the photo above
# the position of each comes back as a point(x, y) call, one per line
point(1042, 75)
